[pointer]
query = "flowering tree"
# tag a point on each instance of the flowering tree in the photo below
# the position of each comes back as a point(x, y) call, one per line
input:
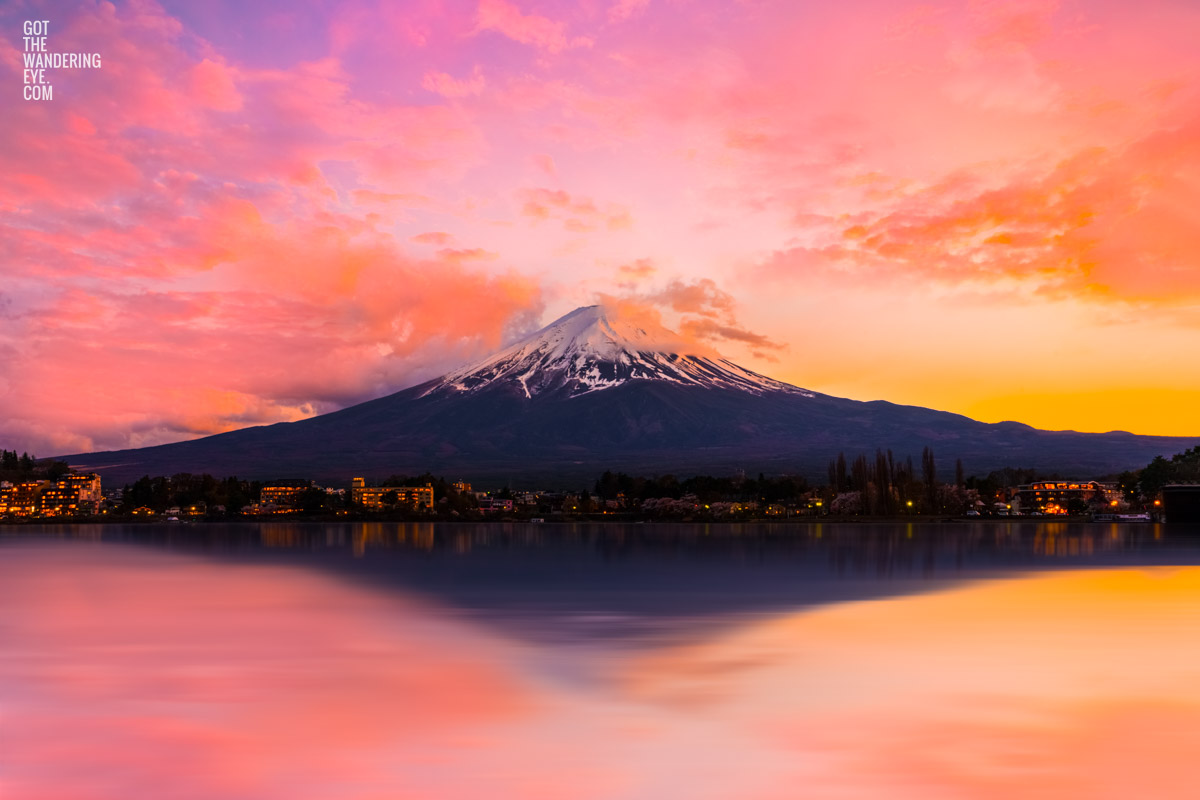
point(847, 503)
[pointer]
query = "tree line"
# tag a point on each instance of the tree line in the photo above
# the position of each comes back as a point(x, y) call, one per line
point(1147, 483)
point(878, 484)
point(185, 489)
point(25, 467)
point(706, 488)
point(232, 494)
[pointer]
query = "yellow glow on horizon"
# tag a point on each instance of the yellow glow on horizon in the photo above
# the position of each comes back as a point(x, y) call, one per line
point(1045, 363)
point(1147, 411)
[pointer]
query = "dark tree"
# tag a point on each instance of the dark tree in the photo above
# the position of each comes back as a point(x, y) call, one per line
point(883, 482)
point(314, 501)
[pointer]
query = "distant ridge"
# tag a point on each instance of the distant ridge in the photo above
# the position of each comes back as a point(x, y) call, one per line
point(593, 391)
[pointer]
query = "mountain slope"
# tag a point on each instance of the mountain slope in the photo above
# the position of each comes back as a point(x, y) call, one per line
point(591, 392)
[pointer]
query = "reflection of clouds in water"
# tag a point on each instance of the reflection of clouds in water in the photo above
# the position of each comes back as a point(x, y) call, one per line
point(1059, 685)
point(123, 672)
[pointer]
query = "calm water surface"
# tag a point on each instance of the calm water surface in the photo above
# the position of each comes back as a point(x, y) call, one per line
point(599, 661)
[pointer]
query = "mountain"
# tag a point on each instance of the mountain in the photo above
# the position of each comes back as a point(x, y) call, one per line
point(590, 350)
point(595, 391)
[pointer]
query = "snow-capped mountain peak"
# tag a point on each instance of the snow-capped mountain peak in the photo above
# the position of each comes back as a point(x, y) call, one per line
point(592, 349)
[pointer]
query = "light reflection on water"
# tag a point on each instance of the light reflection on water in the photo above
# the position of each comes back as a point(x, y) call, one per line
point(310, 661)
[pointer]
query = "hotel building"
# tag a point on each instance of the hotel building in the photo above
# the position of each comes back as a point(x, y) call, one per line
point(1054, 497)
point(71, 495)
point(283, 495)
point(416, 497)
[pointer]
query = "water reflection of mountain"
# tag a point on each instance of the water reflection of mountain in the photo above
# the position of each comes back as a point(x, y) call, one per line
point(605, 575)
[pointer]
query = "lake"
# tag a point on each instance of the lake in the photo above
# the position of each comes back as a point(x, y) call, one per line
point(311, 660)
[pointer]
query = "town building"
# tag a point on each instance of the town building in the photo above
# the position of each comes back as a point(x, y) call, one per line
point(23, 499)
point(284, 495)
point(71, 495)
point(414, 497)
point(1056, 497)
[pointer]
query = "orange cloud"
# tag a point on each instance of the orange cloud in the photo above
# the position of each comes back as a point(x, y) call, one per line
point(579, 215)
point(432, 237)
point(715, 331)
point(706, 314)
point(452, 256)
point(635, 310)
point(1110, 226)
point(701, 297)
point(639, 269)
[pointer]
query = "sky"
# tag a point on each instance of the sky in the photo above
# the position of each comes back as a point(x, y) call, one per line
point(259, 212)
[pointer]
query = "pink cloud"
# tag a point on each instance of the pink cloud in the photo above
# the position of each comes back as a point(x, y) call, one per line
point(626, 9)
point(166, 231)
point(546, 164)
point(1022, 152)
point(443, 84)
point(539, 31)
point(371, 197)
point(307, 319)
point(578, 214)
point(214, 85)
point(432, 237)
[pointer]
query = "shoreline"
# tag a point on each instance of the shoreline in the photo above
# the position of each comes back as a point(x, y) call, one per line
point(610, 519)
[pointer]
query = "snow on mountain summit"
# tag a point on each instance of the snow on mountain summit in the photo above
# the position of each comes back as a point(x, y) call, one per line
point(592, 349)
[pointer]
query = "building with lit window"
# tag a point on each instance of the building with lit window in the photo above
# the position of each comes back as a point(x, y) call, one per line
point(22, 499)
point(284, 494)
point(71, 495)
point(1055, 497)
point(60, 502)
point(414, 497)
